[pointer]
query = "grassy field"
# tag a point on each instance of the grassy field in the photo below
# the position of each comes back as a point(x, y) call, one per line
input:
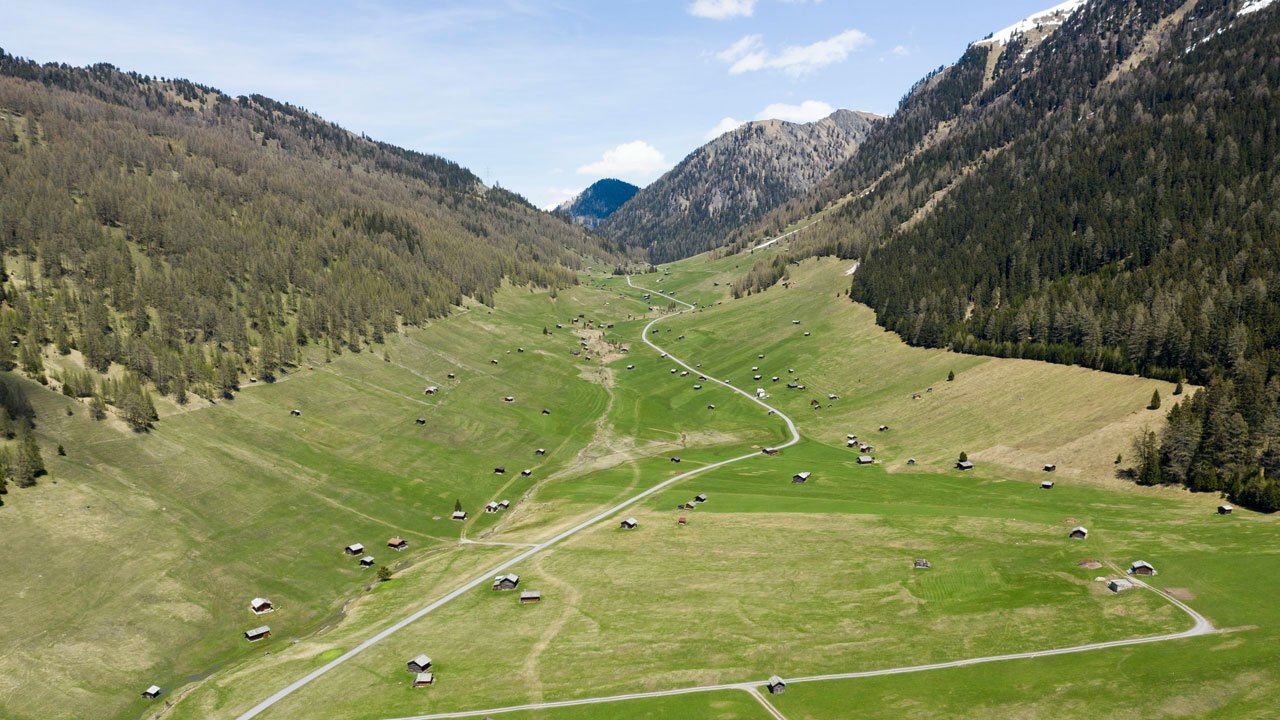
point(155, 543)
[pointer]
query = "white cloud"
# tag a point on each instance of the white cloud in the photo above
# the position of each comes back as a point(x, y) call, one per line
point(722, 9)
point(900, 51)
point(722, 127)
point(635, 161)
point(549, 198)
point(807, 111)
point(750, 55)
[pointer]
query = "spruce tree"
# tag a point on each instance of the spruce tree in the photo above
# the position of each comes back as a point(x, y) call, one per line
point(951, 375)
point(1155, 401)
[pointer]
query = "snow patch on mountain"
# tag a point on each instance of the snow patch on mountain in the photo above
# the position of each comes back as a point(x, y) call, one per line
point(1253, 6)
point(1054, 16)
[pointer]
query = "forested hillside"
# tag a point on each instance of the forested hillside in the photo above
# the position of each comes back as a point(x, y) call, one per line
point(602, 199)
point(1106, 197)
point(732, 180)
point(193, 237)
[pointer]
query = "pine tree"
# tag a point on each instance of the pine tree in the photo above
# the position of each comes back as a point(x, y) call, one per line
point(964, 457)
point(1155, 401)
point(951, 375)
point(1177, 390)
point(384, 573)
point(457, 506)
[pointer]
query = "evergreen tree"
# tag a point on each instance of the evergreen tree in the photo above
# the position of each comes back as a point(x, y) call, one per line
point(384, 573)
point(1155, 401)
point(951, 375)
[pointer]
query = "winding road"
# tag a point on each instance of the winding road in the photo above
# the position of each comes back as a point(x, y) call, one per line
point(454, 594)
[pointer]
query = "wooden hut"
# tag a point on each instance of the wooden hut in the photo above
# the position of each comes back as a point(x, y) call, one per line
point(922, 564)
point(628, 524)
point(421, 663)
point(1079, 533)
point(354, 549)
point(506, 582)
point(491, 507)
point(459, 515)
point(769, 451)
point(424, 679)
point(865, 460)
point(964, 465)
point(257, 633)
point(526, 472)
point(530, 596)
point(1046, 485)
point(1225, 509)
point(501, 469)
point(1050, 467)
point(366, 561)
point(800, 477)
point(776, 685)
point(1120, 585)
point(261, 606)
point(152, 692)
point(295, 412)
point(397, 543)
point(682, 520)
point(700, 497)
point(1142, 567)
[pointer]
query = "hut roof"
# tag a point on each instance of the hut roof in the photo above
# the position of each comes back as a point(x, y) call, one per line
point(421, 661)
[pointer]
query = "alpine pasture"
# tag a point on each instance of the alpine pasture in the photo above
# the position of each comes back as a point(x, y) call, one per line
point(157, 542)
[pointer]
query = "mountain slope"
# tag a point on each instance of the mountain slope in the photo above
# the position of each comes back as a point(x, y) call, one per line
point(603, 198)
point(192, 237)
point(732, 180)
point(1097, 194)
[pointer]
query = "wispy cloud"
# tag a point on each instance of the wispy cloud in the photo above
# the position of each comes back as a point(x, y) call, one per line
point(637, 161)
point(750, 55)
point(807, 111)
point(722, 9)
point(722, 127)
point(901, 50)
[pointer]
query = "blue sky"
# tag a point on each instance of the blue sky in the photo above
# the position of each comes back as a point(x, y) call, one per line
point(543, 97)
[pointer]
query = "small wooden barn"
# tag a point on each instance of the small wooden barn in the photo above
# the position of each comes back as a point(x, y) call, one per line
point(700, 497)
point(421, 663)
point(1046, 485)
point(459, 515)
point(526, 472)
point(424, 679)
point(1050, 467)
point(776, 685)
point(397, 543)
point(769, 451)
point(1120, 585)
point(354, 549)
point(865, 460)
point(295, 412)
point(506, 582)
point(675, 459)
point(1225, 509)
point(500, 469)
point(800, 477)
point(260, 606)
point(152, 692)
point(922, 564)
point(508, 398)
point(430, 390)
point(540, 451)
point(421, 420)
point(1142, 567)
point(504, 504)
point(1079, 533)
point(711, 407)
point(530, 596)
point(257, 633)
point(366, 561)
point(964, 465)
point(628, 524)
point(682, 520)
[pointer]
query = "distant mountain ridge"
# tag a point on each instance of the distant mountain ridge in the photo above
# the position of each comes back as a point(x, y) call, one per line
point(600, 200)
point(735, 179)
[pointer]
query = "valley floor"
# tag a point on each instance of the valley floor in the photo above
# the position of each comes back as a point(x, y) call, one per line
point(157, 542)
